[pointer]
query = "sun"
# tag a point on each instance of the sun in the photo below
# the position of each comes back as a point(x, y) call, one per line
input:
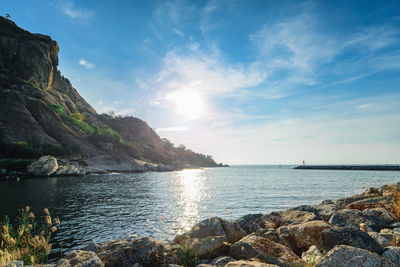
point(187, 103)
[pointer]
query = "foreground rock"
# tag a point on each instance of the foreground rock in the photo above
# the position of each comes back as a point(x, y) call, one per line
point(263, 249)
point(301, 236)
point(354, 217)
point(351, 237)
point(346, 256)
point(80, 258)
point(392, 253)
point(145, 251)
point(44, 166)
point(211, 237)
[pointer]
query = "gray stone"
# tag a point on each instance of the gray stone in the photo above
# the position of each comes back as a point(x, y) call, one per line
point(392, 253)
point(3, 171)
point(383, 241)
point(325, 210)
point(300, 237)
point(381, 213)
point(44, 166)
point(210, 237)
point(263, 249)
point(145, 251)
point(346, 256)
point(351, 237)
point(353, 218)
point(221, 261)
point(291, 217)
point(80, 258)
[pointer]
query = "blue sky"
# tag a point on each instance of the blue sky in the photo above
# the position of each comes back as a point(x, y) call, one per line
point(249, 82)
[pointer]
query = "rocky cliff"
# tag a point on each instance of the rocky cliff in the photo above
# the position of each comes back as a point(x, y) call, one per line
point(42, 113)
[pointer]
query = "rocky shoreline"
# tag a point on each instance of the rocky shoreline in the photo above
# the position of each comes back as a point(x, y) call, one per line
point(50, 166)
point(362, 230)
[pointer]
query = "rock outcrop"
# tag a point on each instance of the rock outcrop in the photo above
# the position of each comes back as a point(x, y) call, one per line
point(41, 113)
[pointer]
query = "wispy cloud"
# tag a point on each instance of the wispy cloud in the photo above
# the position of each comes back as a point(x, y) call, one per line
point(367, 105)
point(86, 64)
point(69, 9)
point(200, 77)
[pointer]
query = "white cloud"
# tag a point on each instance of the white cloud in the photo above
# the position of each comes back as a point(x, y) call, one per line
point(86, 64)
point(69, 9)
point(178, 32)
point(367, 105)
point(297, 45)
point(189, 82)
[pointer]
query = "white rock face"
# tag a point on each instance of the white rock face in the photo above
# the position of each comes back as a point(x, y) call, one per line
point(45, 166)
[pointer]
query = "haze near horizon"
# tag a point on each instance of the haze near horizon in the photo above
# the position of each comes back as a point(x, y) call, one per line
point(248, 82)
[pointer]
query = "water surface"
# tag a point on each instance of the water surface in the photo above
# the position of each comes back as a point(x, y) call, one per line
point(99, 208)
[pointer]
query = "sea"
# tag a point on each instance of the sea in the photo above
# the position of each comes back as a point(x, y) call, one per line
point(98, 208)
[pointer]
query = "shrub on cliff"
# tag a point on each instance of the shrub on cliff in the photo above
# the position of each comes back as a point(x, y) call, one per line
point(21, 149)
point(28, 240)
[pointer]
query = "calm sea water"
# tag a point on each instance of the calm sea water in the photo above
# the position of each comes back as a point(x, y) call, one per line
point(99, 208)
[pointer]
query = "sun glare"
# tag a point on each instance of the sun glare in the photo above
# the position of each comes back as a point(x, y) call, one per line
point(189, 104)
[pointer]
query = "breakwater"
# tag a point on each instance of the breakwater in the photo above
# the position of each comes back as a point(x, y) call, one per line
point(350, 167)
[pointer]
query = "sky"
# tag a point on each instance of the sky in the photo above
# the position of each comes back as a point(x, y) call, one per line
point(248, 82)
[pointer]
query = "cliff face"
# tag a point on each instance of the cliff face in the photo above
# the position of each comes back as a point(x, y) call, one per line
point(41, 111)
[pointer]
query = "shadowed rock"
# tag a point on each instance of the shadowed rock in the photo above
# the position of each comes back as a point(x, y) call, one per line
point(351, 237)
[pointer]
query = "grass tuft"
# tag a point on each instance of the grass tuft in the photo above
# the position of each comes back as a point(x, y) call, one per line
point(28, 240)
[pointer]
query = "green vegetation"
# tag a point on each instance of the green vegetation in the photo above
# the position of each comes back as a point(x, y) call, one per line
point(78, 120)
point(33, 84)
point(188, 257)
point(57, 108)
point(27, 240)
point(15, 164)
point(21, 149)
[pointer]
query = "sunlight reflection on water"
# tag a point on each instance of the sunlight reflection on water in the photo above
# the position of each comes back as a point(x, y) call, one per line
point(191, 184)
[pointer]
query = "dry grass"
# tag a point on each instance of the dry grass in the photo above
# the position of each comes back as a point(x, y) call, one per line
point(28, 240)
point(395, 203)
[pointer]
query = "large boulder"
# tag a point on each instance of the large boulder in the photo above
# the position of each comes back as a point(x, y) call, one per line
point(374, 202)
point(263, 249)
point(326, 209)
point(221, 261)
point(382, 213)
point(44, 166)
point(250, 222)
point(392, 253)
point(346, 256)
point(145, 251)
point(300, 237)
point(342, 202)
point(69, 169)
point(383, 241)
point(80, 258)
point(298, 216)
point(211, 237)
point(351, 237)
point(354, 217)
